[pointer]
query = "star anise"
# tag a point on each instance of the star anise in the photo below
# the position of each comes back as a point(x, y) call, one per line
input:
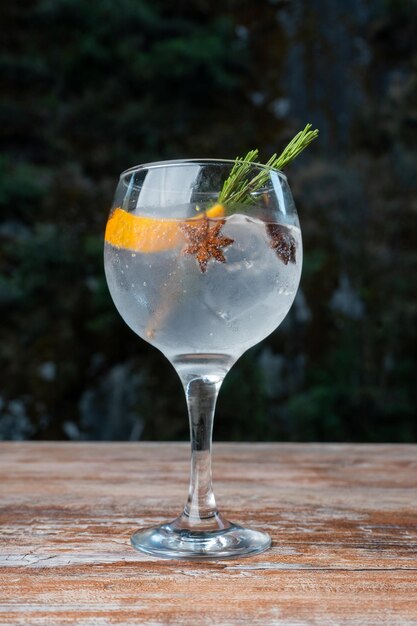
point(282, 242)
point(205, 242)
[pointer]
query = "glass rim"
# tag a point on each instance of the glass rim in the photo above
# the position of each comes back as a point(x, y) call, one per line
point(173, 162)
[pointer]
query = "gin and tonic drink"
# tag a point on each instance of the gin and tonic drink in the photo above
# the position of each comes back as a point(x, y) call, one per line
point(203, 282)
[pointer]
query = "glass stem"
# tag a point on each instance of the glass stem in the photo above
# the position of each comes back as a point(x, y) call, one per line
point(200, 512)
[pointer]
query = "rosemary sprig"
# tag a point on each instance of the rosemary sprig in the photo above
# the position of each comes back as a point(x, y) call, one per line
point(237, 187)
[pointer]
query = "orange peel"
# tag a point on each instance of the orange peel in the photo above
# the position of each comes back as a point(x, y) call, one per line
point(147, 234)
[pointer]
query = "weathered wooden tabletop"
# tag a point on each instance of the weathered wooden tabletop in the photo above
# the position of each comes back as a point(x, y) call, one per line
point(343, 519)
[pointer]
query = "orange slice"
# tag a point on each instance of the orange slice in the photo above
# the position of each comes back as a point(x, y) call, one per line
point(147, 234)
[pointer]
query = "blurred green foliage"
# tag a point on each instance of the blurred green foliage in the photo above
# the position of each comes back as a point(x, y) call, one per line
point(91, 88)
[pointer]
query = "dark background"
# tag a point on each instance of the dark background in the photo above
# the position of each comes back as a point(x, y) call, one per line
point(91, 88)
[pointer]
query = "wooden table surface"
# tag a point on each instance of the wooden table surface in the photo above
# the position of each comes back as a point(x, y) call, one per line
point(343, 519)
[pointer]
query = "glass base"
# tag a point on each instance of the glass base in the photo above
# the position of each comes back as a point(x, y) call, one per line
point(169, 542)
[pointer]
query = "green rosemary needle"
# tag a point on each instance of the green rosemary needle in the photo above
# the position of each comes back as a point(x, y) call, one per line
point(238, 187)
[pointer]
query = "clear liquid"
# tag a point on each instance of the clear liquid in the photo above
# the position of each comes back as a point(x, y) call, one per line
point(166, 299)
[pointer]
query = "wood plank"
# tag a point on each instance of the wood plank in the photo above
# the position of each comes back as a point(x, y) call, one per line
point(343, 519)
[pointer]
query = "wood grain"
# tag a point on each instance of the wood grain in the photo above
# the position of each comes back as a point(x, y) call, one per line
point(343, 519)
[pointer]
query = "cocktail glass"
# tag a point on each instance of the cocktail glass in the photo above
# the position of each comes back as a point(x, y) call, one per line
point(203, 282)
